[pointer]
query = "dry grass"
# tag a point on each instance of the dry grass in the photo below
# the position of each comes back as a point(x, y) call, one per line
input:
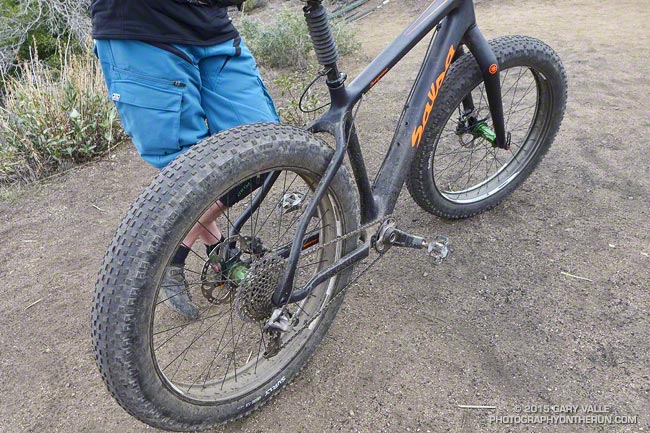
point(285, 41)
point(53, 118)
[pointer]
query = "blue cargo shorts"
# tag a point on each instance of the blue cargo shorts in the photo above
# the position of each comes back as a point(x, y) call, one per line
point(168, 101)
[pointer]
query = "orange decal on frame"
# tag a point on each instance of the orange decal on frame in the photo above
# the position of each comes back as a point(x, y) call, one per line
point(416, 138)
point(377, 78)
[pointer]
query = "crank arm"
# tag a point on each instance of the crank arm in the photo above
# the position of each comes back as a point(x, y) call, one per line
point(399, 238)
point(390, 236)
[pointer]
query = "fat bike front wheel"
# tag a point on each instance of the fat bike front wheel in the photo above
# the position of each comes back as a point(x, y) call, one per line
point(458, 172)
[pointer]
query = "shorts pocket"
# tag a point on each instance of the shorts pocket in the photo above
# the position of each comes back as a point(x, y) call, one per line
point(150, 115)
point(269, 102)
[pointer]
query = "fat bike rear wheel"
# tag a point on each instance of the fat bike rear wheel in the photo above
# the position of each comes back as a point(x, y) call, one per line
point(182, 374)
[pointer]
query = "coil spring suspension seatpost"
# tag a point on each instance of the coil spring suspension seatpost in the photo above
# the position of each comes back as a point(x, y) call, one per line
point(323, 39)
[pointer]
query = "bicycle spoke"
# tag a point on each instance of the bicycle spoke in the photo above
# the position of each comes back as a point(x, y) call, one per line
point(456, 152)
point(527, 92)
point(259, 347)
point(198, 335)
point(468, 173)
point(232, 360)
point(217, 352)
point(514, 94)
point(184, 325)
point(452, 164)
point(471, 155)
point(207, 357)
point(285, 188)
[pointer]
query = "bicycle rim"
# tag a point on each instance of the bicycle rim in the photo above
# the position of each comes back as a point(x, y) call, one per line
point(466, 167)
point(220, 357)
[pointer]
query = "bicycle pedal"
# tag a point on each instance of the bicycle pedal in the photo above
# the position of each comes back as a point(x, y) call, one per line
point(291, 202)
point(439, 248)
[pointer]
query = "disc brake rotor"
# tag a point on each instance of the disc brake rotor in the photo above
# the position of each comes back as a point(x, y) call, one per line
point(225, 269)
point(213, 288)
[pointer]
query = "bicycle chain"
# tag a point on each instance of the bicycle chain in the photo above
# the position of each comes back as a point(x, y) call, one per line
point(344, 289)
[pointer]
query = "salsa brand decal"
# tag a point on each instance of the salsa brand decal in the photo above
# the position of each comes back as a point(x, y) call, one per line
point(416, 138)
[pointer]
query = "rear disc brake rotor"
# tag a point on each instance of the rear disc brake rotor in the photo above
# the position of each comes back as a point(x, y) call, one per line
point(213, 287)
point(221, 275)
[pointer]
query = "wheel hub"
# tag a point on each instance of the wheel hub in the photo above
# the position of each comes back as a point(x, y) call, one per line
point(225, 269)
point(475, 129)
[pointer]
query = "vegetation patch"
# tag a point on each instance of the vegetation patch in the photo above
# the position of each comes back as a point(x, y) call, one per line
point(54, 107)
point(285, 42)
point(52, 118)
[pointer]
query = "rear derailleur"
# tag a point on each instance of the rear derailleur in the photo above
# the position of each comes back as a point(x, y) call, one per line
point(281, 322)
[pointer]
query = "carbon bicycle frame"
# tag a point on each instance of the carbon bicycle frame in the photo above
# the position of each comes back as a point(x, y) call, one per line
point(456, 22)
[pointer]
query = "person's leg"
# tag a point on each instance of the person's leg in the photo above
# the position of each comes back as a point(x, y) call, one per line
point(157, 94)
point(233, 92)
point(206, 229)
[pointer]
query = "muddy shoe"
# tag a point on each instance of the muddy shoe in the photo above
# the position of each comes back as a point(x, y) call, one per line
point(175, 293)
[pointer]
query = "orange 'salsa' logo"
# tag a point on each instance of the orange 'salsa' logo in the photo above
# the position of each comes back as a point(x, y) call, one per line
point(416, 138)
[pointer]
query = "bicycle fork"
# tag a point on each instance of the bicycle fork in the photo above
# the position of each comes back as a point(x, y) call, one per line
point(490, 72)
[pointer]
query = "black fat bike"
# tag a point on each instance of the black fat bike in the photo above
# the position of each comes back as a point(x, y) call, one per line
point(478, 120)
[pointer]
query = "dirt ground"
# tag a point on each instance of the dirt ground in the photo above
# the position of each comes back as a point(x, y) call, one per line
point(498, 324)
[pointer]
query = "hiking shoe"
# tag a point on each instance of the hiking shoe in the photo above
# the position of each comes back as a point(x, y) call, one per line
point(175, 293)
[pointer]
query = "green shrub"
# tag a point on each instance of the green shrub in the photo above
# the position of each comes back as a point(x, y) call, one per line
point(55, 117)
point(250, 5)
point(285, 42)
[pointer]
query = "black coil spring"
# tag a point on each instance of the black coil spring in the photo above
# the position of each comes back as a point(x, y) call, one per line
point(321, 35)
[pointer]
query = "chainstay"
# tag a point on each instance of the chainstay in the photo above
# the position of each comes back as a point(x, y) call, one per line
point(340, 293)
point(315, 248)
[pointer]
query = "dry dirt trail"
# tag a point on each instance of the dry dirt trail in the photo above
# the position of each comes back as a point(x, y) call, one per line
point(498, 324)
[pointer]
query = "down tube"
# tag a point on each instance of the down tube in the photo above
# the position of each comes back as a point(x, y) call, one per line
point(408, 136)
